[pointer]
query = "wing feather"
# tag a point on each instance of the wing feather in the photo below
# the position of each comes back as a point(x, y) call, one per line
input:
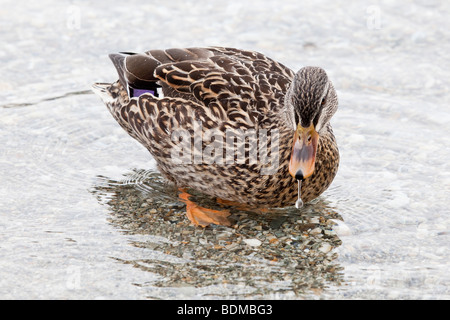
point(217, 85)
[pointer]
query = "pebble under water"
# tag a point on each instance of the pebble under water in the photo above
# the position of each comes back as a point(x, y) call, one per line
point(84, 213)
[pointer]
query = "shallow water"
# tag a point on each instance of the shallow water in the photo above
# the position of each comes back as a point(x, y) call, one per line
point(84, 213)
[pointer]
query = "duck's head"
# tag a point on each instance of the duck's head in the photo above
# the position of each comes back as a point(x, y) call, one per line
point(311, 101)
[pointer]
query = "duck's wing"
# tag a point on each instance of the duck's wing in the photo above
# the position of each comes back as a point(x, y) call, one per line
point(234, 79)
point(218, 87)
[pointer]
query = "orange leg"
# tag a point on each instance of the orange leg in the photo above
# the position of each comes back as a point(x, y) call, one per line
point(200, 216)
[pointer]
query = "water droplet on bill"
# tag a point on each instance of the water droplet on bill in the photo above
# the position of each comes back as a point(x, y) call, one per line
point(299, 202)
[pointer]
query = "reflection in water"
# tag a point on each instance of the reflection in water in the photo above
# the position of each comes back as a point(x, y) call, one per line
point(281, 251)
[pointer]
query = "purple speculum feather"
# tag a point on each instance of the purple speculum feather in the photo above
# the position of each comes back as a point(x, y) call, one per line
point(134, 92)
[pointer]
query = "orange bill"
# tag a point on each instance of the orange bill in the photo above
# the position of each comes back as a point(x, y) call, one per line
point(303, 156)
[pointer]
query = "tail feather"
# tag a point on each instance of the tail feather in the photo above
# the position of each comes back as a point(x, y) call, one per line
point(118, 61)
point(103, 90)
point(135, 70)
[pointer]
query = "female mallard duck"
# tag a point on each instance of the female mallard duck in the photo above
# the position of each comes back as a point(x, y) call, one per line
point(220, 100)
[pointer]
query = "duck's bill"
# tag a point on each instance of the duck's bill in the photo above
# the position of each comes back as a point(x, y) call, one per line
point(304, 149)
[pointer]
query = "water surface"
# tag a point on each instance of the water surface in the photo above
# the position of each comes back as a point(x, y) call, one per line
point(85, 214)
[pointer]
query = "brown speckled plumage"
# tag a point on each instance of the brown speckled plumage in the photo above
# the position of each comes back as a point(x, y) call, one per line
point(226, 89)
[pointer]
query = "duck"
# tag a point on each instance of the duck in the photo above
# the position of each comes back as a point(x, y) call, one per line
point(232, 124)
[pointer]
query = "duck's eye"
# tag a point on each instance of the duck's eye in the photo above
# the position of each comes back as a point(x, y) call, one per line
point(296, 118)
point(323, 101)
